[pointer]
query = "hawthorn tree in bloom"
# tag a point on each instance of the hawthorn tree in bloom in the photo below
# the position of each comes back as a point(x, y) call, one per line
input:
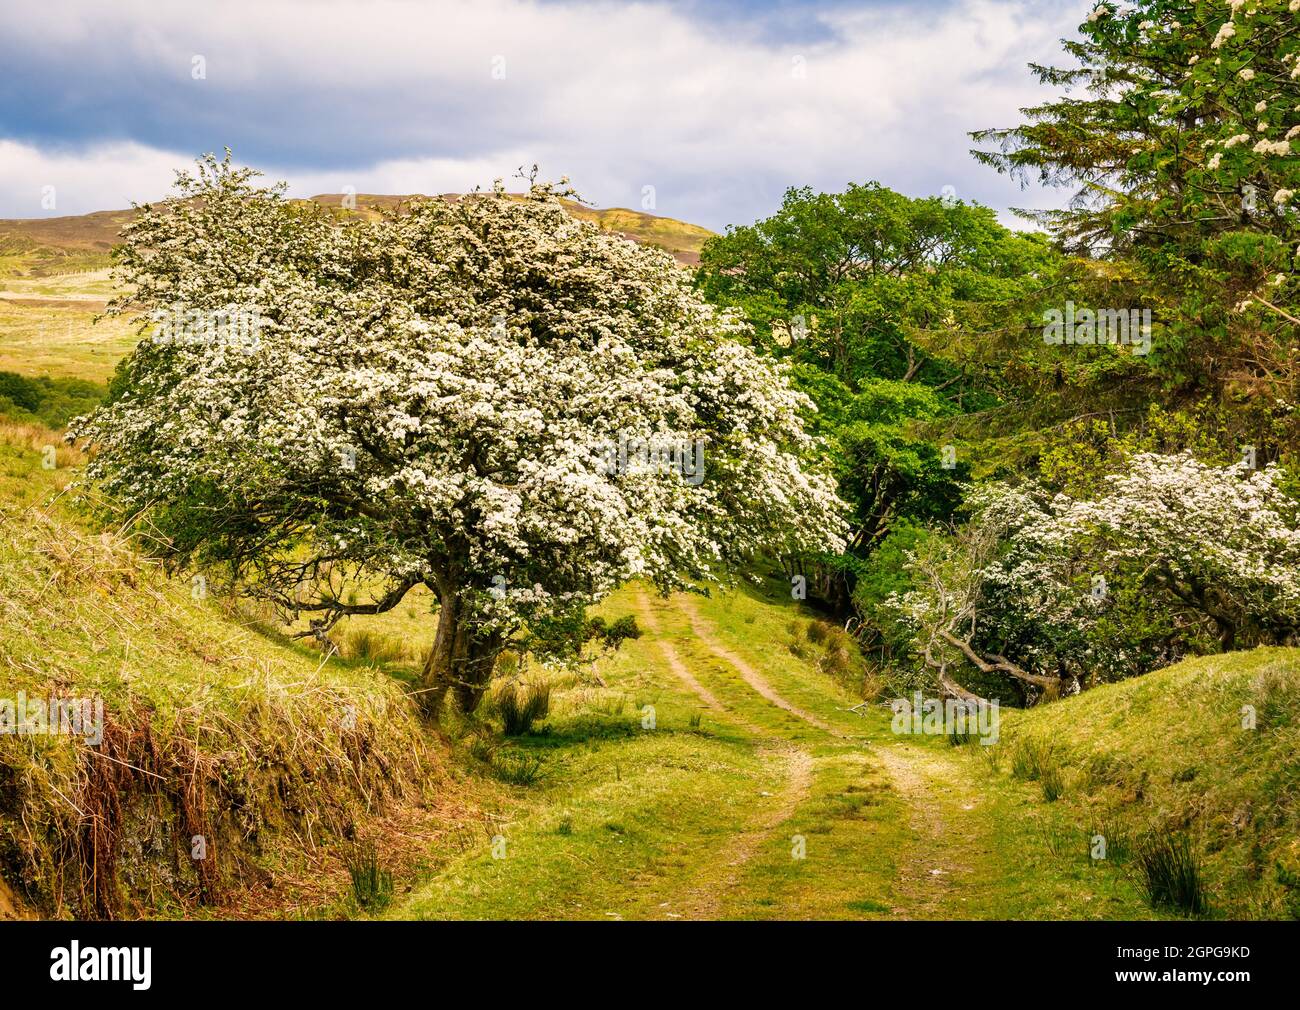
point(1174, 556)
point(974, 595)
point(1222, 542)
point(434, 398)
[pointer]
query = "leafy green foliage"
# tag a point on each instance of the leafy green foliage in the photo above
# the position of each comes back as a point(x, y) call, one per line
point(886, 307)
point(562, 637)
point(613, 634)
point(52, 402)
point(1184, 152)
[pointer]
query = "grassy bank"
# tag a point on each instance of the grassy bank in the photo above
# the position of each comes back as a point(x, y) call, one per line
point(231, 762)
point(1195, 769)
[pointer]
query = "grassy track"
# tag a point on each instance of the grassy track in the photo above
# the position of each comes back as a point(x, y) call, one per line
point(757, 794)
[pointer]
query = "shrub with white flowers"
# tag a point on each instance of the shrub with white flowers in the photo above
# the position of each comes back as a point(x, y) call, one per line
point(1221, 542)
point(443, 396)
point(1173, 557)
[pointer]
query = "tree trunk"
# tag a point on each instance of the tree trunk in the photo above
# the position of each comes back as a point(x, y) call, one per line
point(461, 661)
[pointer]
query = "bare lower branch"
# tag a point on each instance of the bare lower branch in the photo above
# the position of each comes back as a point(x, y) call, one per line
point(1000, 664)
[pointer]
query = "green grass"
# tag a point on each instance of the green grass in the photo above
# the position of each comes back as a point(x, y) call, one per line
point(613, 822)
point(629, 795)
point(49, 336)
point(697, 818)
point(853, 826)
point(1171, 753)
point(612, 829)
point(755, 622)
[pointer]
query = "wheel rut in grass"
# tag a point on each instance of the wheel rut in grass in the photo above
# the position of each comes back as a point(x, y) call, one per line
point(709, 639)
point(703, 900)
point(934, 870)
point(680, 670)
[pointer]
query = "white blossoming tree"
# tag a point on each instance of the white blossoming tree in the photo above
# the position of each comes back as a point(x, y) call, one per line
point(436, 398)
point(1174, 556)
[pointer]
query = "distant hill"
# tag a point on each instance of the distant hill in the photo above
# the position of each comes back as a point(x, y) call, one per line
point(44, 247)
point(681, 239)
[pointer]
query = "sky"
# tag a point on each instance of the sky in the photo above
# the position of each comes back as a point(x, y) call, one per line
point(704, 111)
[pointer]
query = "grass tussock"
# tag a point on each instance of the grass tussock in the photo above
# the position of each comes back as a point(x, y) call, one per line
point(1034, 759)
point(1169, 873)
point(521, 705)
point(372, 885)
point(506, 762)
point(1031, 758)
point(516, 767)
point(1051, 782)
point(364, 645)
point(1111, 839)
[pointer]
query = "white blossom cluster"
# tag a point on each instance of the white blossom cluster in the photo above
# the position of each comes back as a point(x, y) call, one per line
point(1223, 536)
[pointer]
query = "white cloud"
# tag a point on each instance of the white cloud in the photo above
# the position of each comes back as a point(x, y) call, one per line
point(396, 97)
point(102, 177)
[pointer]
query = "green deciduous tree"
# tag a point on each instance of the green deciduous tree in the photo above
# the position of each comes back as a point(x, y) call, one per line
point(898, 313)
